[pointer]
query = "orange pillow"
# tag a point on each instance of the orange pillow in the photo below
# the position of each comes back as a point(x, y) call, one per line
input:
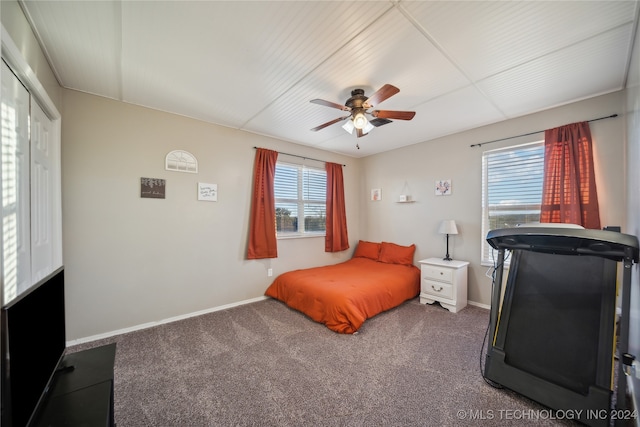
point(367, 250)
point(391, 253)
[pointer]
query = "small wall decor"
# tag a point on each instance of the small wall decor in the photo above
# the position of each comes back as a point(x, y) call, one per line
point(207, 192)
point(152, 188)
point(405, 196)
point(443, 187)
point(181, 161)
point(376, 194)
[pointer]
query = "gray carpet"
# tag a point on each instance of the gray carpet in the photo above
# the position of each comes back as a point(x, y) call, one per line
point(263, 364)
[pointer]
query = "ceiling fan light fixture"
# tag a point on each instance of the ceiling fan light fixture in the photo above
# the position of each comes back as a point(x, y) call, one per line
point(360, 121)
point(358, 105)
point(348, 126)
point(367, 128)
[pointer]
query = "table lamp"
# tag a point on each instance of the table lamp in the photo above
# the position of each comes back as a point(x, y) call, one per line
point(448, 226)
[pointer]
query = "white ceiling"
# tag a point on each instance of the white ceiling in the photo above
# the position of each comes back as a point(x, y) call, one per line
point(255, 65)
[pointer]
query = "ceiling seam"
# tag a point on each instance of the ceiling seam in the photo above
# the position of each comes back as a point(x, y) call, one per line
point(308, 73)
point(559, 49)
point(446, 54)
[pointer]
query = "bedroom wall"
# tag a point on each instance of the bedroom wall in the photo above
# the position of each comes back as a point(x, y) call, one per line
point(132, 261)
point(417, 167)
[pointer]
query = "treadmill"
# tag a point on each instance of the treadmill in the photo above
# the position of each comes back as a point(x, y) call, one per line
point(552, 330)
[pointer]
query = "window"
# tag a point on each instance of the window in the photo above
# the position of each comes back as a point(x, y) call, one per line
point(511, 189)
point(300, 192)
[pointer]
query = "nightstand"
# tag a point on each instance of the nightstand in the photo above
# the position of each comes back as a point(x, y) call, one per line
point(445, 282)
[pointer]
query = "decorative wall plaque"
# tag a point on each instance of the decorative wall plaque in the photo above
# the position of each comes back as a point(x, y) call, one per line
point(181, 161)
point(152, 188)
point(207, 192)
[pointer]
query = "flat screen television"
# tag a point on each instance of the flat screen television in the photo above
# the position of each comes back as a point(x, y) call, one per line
point(33, 344)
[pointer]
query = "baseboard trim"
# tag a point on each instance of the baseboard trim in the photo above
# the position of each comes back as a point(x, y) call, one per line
point(477, 304)
point(161, 322)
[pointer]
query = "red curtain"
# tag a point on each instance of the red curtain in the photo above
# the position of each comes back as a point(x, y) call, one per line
point(336, 238)
point(262, 228)
point(569, 187)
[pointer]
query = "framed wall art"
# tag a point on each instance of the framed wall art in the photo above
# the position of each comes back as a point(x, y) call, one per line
point(152, 188)
point(443, 187)
point(207, 192)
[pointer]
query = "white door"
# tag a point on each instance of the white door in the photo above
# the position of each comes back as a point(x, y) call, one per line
point(43, 194)
point(16, 250)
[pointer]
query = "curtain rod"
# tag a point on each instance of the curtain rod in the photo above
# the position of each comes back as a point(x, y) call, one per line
point(302, 157)
point(533, 133)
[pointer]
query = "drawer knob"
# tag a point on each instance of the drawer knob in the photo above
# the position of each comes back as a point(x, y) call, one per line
point(437, 290)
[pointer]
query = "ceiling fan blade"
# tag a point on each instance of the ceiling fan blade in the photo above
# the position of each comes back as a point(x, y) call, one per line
point(390, 114)
point(361, 133)
point(324, 125)
point(379, 122)
point(330, 104)
point(385, 92)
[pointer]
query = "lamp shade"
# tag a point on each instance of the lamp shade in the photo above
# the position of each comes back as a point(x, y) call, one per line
point(448, 226)
point(348, 126)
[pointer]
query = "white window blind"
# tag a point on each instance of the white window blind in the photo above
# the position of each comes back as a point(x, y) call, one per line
point(300, 193)
point(511, 189)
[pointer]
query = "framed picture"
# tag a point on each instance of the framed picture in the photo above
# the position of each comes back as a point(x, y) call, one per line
point(376, 194)
point(152, 188)
point(207, 192)
point(443, 187)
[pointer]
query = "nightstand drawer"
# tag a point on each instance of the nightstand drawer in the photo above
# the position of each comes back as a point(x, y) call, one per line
point(435, 273)
point(439, 289)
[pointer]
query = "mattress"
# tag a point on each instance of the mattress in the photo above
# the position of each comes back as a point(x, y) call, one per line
point(342, 296)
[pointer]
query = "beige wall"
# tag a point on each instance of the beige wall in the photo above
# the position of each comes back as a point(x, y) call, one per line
point(131, 261)
point(452, 158)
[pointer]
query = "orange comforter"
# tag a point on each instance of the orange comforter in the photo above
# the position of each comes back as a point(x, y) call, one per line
point(343, 296)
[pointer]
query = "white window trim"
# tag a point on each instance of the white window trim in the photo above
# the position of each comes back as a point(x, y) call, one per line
point(300, 202)
point(493, 254)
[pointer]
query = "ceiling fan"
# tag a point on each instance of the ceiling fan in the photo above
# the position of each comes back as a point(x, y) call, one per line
point(359, 105)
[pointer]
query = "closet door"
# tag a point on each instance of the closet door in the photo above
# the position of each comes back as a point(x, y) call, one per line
point(45, 194)
point(16, 249)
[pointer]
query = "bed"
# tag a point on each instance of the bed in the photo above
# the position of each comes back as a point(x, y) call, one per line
point(342, 296)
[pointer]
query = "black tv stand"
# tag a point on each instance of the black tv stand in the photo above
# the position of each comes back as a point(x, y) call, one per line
point(82, 390)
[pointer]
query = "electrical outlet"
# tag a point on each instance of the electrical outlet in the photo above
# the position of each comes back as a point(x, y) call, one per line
point(270, 272)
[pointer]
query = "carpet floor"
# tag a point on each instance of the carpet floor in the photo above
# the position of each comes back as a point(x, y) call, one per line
point(263, 364)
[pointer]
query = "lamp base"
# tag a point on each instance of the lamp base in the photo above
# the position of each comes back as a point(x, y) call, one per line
point(447, 257)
